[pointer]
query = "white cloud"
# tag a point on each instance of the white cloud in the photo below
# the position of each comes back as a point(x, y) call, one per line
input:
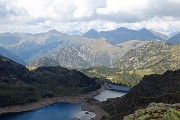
point(123, 6)
point(41, 15)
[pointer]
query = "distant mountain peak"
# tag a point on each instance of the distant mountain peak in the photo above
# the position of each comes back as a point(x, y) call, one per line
point(145, 30)
point(92, 33)
point(93, 30)
point(53, 31)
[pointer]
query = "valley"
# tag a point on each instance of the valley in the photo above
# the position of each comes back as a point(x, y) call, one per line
point(106, 74)
point(89, 60)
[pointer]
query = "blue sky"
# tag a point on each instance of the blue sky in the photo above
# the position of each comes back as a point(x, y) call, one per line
point(66, 15)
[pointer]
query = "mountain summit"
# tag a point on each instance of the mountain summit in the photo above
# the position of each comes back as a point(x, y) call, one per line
point(92, 33)
point(53, 31)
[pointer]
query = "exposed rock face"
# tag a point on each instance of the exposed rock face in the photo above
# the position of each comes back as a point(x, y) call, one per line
point(153, 88)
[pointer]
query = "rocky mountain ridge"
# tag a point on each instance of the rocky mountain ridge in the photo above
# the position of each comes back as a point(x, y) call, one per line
point(122, 34)
point(93, 53)
point(31, 47)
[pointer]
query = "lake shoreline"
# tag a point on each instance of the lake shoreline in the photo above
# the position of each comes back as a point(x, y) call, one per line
point(48, 101)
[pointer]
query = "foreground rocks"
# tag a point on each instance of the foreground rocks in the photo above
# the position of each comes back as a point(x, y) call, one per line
point(157, 111)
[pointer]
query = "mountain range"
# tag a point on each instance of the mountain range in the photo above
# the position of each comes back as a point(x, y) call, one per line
point(122, 56)
point(122, 34)
point(88, 50)
point(31, 47)
point(94, 53)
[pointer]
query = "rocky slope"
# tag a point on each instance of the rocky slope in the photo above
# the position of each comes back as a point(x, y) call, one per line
point(67, 57)
point(153, 88)
point(157, 56)
point(101, 52)
point(93, 53)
